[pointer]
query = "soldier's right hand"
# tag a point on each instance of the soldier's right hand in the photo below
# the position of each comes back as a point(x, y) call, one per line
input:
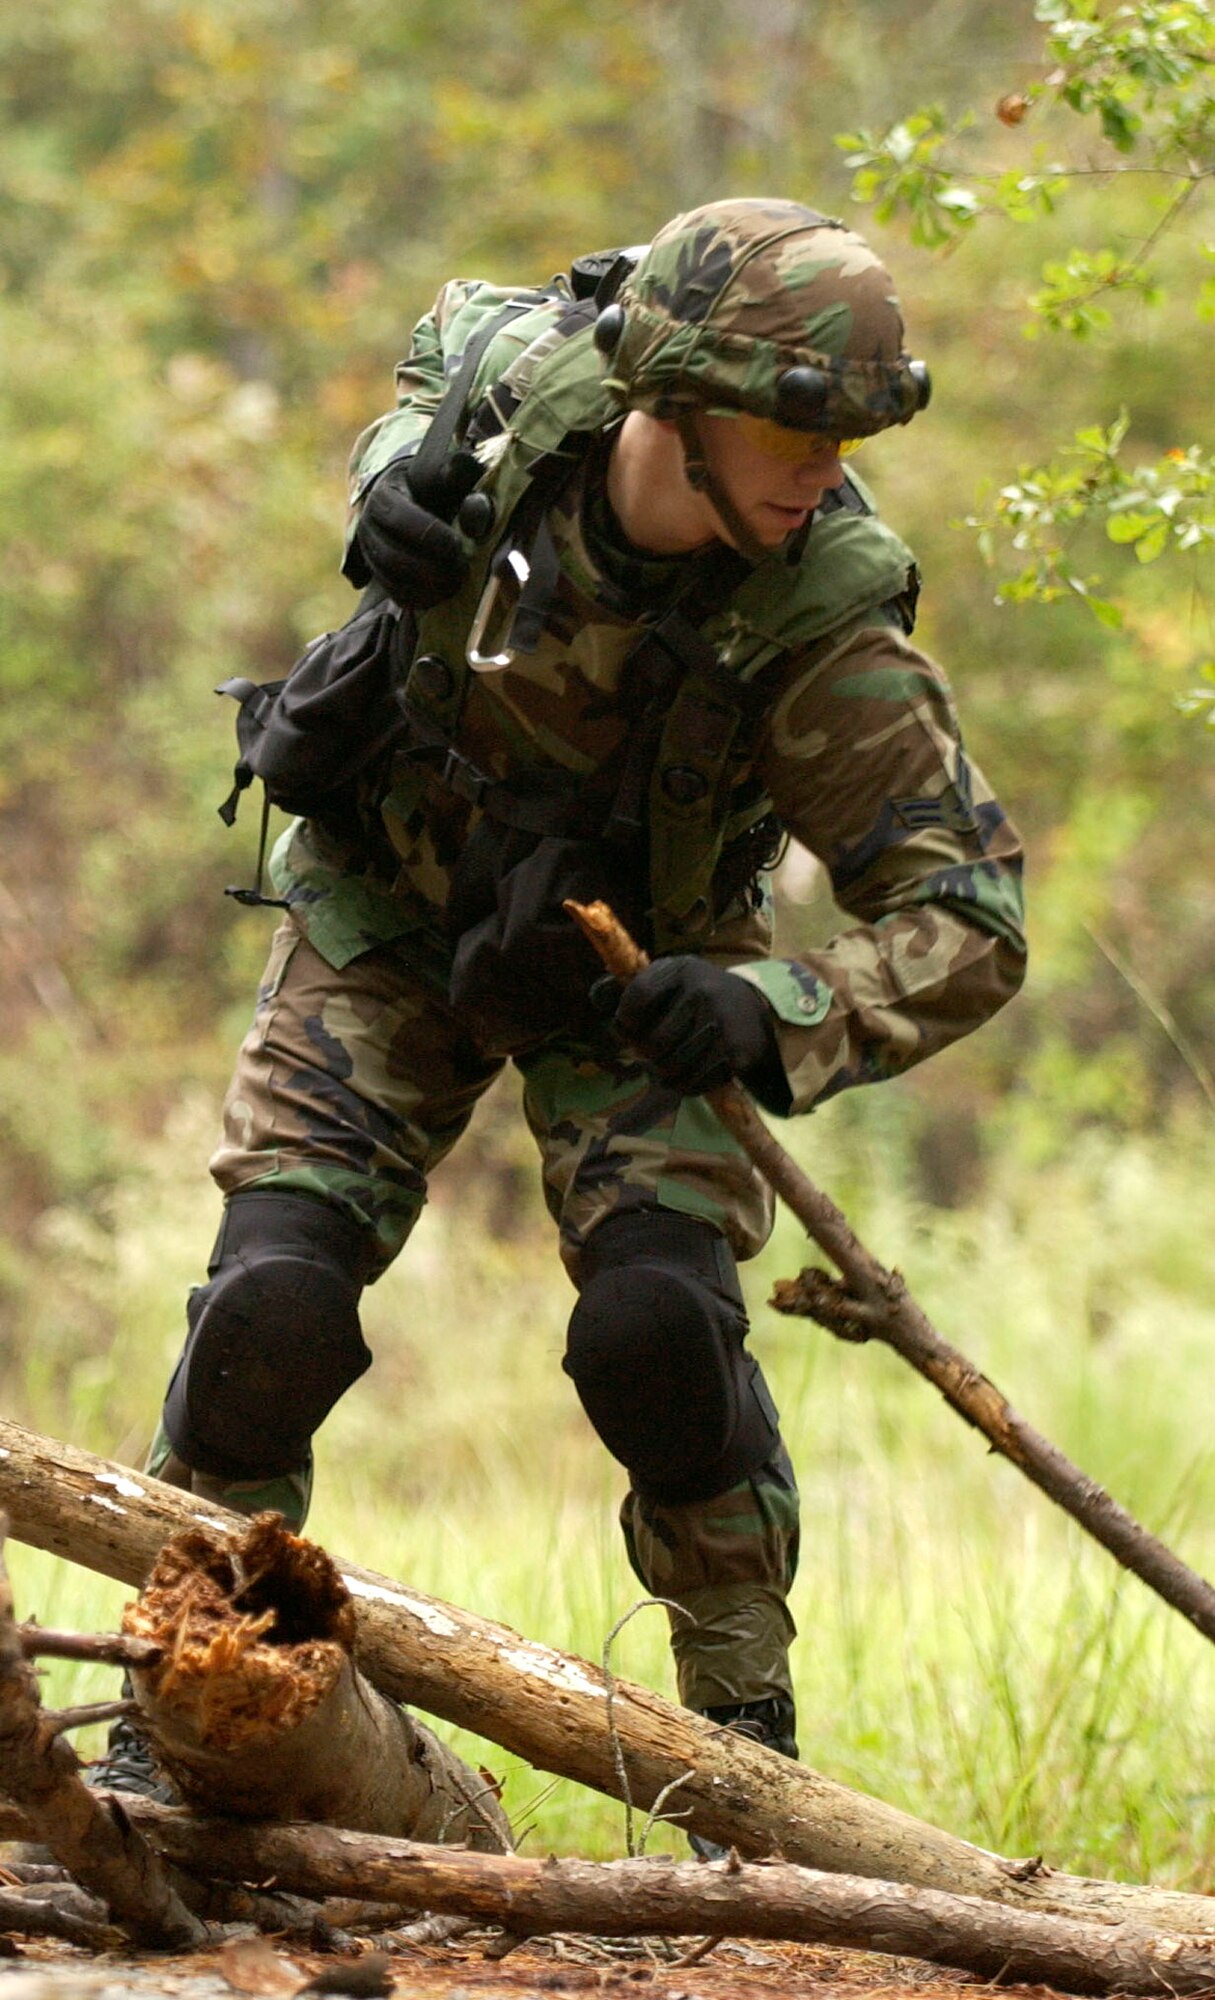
point(417, 557)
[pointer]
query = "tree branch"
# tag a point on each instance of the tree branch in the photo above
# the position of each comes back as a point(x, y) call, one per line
point(551, 1709)
point(114, 1649)
point(39, 1769)
point(722, 1899)
point(875, 1303)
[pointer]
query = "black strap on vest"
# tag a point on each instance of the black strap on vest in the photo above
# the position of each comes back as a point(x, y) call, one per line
point(440, 476)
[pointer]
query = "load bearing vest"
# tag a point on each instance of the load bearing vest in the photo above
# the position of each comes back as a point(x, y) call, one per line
point(851, 564)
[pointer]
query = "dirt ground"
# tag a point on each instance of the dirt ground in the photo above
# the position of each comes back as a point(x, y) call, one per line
point(460, 1970)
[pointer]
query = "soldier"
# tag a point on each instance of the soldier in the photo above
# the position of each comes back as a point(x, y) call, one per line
point(665, 631)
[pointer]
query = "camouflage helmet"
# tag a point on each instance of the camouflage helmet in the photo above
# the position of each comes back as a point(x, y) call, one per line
point(764, 306)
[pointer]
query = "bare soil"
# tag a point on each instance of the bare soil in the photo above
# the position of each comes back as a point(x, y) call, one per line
point(460, 1970)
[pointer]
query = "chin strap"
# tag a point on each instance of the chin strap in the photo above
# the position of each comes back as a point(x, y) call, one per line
point(702, 480)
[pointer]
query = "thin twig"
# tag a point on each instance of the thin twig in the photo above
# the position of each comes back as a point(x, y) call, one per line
point(699, 1951)
point(45, 976)
point(62, 1719)
point(111, 1649)
point(1122, 272)
point(899, 1321)
point(470, 1801)
point(1159, 1013)
point(655, 1811)
point(622, 1776)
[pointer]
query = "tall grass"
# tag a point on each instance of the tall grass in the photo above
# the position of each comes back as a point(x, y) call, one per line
point(965, 1651)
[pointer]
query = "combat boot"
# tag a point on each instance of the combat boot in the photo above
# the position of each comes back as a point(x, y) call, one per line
point(772, 1722)
point(127, 1764)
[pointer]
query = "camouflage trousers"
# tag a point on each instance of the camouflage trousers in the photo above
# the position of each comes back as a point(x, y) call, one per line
point(353, 1084)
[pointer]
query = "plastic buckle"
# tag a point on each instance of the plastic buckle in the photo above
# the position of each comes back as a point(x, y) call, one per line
point(463, 778)
point(480, 662)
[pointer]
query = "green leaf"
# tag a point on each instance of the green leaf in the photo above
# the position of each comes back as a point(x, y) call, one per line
point(1127, 527)
point(1154, 543)
point(1106, 613)
point(1120, 126)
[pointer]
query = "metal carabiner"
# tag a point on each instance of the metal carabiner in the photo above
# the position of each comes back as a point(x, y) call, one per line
point(481, 662)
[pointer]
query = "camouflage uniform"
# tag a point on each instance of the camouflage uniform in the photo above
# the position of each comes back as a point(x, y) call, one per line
point(358, 1076)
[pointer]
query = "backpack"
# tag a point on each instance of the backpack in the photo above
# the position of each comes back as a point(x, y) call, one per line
point(312, 735)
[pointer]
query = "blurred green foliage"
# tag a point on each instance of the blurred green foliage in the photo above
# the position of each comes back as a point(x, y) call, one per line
point(1143, 78)
point(217, 225)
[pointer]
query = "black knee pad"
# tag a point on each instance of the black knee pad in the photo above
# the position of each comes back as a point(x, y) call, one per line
point(656, 1353)
point(274, 1337)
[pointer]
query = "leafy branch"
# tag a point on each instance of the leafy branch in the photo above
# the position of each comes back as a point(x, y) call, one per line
point(1146, 508)
point(1144, 73)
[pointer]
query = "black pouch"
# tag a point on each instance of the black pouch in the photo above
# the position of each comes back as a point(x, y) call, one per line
point(309, 736)
point(523, 970)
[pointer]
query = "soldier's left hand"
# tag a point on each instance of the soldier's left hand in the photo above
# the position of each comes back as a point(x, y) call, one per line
point(418, 558)
point(695, 1024)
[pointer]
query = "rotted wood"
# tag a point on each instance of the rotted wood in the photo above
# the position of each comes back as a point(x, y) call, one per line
point(95, 1841)
point(873, 1303)
point(552, 1708)
point(253, 1704)
point(770, 1900)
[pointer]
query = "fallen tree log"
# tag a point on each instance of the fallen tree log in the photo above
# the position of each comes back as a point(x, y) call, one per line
point(553, 1709)
point(254, 1707)
point(39, 1769)
point(631, 1898)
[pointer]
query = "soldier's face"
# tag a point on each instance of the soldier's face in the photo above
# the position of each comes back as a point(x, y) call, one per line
point(774, 495)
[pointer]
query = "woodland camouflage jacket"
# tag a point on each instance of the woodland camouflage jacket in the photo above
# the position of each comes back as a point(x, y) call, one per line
point(855, 744)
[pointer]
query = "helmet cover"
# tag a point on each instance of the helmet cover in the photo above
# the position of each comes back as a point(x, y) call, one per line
point(731, 297)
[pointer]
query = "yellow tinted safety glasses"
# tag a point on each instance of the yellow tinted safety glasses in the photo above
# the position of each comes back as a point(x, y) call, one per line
point(781, 441)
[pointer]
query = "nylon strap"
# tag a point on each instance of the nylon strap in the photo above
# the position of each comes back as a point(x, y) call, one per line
point(432, 458)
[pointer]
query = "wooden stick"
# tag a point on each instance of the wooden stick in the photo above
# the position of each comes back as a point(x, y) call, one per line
point(102, 1850)
point(67, 1913)
point(874, 1303)
point(552, 1709)
point(627, 1898)
point(89, 1713)
point(111, 1649)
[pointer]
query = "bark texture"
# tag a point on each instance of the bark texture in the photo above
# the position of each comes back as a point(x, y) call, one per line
point(773, 1900)
point(40, 1771)
point(107, 1648)
point(552, 1709)
point(65, 1912)
point(255, 1708)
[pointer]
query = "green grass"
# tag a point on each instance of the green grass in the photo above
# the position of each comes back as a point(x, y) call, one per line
point(965, 1651)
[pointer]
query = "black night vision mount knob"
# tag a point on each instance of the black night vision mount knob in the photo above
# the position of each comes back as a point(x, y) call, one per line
point(801, 398)
point(608, 328)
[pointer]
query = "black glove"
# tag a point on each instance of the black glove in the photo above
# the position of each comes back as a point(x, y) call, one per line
point(697, 1026)
point(417, 557)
